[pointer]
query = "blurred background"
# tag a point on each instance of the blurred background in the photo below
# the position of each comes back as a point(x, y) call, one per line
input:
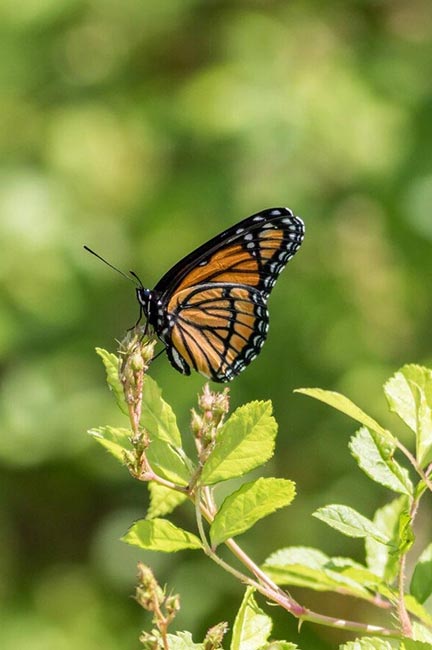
point(142, 129)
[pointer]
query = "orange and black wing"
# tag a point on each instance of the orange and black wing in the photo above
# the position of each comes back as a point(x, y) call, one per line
point(251, 253)
point(217, 329)
point(210, 308)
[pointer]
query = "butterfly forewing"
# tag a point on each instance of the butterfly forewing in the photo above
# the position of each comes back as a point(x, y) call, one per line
point(253, 253)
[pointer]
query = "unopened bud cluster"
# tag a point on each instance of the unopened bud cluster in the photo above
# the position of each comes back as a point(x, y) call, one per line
point(205, 423)
point(214, 637)
point(148, 592)
point(137, 354)
point(152, 598)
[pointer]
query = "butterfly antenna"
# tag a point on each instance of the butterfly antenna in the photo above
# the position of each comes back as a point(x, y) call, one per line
point(89, 250)
point(134, 275)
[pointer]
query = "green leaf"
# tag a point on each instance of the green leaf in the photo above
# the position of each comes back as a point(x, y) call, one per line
point(252, 626)
point(163, 500)
point(420, 612)
point(345, 405)
point(410, 644)
point(250, 503)
point(406, 533)
point(368, 643)
point(168, 462)
point(160, 535)
point(421, 581)
point(245, 441)
point(183, 641)
point(157, 415)
point(349, 522)
point(381, 559)
point(111, 364)
point(308, 567)
point(409, 395)
point(421, 633)
point(115, 439)
point(374, 459)
point(164, 453)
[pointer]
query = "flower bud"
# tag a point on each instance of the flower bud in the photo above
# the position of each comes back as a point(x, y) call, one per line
point(214, 637)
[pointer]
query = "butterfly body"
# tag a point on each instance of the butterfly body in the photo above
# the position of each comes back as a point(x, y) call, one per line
point(210, 309)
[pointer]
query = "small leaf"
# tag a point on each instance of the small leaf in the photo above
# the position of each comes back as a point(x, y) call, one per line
point(183, 641)
point(381, 559)
point(168, 462)
point(410, 644)
point(409, 395)
point(374, 459)
point(245, 441)
point(308, 567)
point(406, 534)
point(345, 405)
point(367, 643)
point(419, 611)
point(115, 439)
point(157, 415)
point(421, 581)
point(252, 626)
point(349, 522)
point(421, 633)
point(160, 535)
point(250, 503)
point(163, 500)
point(111, 364)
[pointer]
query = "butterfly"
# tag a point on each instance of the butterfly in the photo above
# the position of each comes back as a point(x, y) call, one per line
point(210, 309)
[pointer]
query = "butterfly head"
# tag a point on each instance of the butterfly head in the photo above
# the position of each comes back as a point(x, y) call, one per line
point(144, 297)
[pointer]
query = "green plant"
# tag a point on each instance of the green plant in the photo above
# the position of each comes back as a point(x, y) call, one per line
point(230, 446)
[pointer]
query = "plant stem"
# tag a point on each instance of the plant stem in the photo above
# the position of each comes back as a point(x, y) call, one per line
point(268, 588)
point(401, 607)
point(423, 475)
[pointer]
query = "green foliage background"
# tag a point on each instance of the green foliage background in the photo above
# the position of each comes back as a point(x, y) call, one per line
point(142, 129)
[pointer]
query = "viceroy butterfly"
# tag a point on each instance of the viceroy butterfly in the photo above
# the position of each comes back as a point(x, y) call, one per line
point(210, 309)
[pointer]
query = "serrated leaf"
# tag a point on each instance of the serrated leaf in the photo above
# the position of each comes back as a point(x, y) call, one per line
point(421, 581)
point(421, 633)
point(250, 503)
point(409, 395)
point(381, 559)
point(308, 567)
point(111, 364)
point(368, 643)
point(115, 439)
point(160, 535)
point(345, 405)
point(163, 500)
point(157, 415)
point(245, 441)
point(183, 641)
point(415, 608)
point(349, 522)
point(168, 462)
point(252, 626)
point(374, 459)
point(410, 644)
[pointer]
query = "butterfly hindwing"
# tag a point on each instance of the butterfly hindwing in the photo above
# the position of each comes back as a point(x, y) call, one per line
point(217, 329)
